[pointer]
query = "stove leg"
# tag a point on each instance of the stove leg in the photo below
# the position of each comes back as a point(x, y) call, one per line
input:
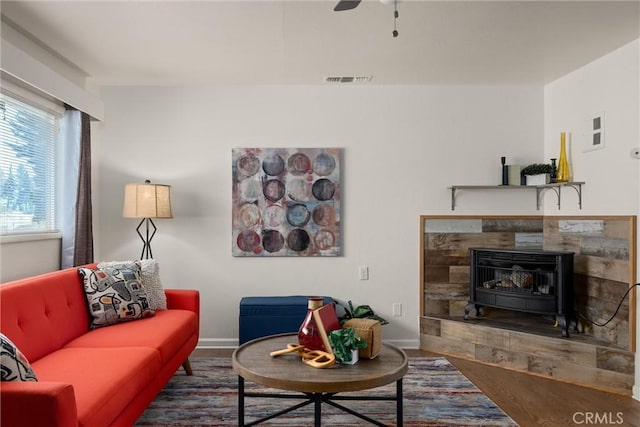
point(563, 322)
point(469, 307)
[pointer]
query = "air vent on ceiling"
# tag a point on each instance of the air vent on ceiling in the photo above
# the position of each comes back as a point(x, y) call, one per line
point(348, 79)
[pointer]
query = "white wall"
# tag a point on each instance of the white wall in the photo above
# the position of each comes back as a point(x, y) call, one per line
point(608, 85)
point(612, 177)
point(27, 256)
point(402, 147)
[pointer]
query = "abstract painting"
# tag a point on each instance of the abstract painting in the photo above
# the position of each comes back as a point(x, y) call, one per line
point(286, 202)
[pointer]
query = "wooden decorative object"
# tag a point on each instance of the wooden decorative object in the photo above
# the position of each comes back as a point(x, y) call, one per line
point(369, 330)
point(326, 321)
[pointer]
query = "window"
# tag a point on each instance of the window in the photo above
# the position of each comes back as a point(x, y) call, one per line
point(27, 167)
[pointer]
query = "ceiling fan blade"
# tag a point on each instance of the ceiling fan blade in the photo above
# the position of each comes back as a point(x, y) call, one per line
point(346, 5)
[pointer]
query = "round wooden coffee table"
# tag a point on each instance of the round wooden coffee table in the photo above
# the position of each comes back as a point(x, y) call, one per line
point(252, 362)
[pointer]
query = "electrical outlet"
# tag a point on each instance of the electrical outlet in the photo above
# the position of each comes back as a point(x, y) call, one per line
point(364, 272)
point(397, 309)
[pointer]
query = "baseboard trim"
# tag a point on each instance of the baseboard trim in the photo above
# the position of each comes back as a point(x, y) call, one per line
point(408, 344)
point(636, 392)
point(217, 343)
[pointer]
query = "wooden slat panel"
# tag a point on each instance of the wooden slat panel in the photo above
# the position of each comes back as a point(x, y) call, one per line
point(435, 274)
point(456, 307)
point(453, 225)
point(446, 257)
point(447, 346)
point(591, 227)
point(595, 287)
point(553, 240)
point(505, 358)
point(512, 225)
point(542, 347)
point(605, 268)
point(605, 248)
point(464, 241)
point(430, 326)
point(529, 240)
point(581, 374)
point(469, 332)
point(617, 229)
point(615, 360)
point(436, 307)
point(460, 274)
point(436, 291)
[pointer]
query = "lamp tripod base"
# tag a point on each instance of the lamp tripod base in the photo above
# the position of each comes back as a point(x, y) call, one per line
point(146, 239)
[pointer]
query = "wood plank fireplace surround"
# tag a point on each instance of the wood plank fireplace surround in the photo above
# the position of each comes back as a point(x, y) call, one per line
point(604, 249)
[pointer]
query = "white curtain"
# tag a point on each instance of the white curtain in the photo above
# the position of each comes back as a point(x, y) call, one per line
point(69, 138)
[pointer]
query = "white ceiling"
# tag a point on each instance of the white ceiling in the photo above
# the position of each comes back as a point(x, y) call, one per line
point(304, 41)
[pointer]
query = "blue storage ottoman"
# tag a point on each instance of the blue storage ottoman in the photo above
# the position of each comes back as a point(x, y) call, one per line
point(262, 316)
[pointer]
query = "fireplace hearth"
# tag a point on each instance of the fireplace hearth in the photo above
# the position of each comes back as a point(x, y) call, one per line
point(604, 254)
point(530, 281)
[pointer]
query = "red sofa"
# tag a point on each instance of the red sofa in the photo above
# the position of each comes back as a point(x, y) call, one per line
point(90, 378)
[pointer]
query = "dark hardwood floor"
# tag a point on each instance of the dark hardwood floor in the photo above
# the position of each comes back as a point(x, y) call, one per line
point(532, 400)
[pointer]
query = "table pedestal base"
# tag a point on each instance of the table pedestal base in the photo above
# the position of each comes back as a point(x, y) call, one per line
point(317, 399)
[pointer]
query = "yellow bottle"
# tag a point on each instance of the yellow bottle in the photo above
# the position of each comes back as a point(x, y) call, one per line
point(563, 174)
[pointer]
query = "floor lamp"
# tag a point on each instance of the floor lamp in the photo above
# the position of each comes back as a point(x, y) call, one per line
point(147, 201)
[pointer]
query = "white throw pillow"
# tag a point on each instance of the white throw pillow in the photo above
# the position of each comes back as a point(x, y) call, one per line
point(150, 277)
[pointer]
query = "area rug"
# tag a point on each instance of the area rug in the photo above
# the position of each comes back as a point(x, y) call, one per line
point(435, 394)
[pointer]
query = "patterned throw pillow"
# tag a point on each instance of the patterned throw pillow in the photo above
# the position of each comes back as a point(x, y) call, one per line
point(13, 365)
point(150, 276)
point(115, 295)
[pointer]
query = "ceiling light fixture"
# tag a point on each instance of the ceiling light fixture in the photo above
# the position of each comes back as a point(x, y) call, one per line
point(395, 18)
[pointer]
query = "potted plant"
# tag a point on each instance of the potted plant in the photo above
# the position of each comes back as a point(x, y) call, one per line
point(537, 173)
point(345, 344)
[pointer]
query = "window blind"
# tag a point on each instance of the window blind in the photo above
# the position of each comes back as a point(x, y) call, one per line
point(27, 167)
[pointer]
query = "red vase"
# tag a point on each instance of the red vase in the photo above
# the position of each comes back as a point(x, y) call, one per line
point(308, 334)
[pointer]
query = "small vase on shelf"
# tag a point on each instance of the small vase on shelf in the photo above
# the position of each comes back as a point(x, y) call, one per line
point(563, 174)
point(554, 171)
point(505, 171)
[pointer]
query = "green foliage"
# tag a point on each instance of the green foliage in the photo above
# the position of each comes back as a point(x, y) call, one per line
point(536, 169)
point(343, 342)
point(362, 312)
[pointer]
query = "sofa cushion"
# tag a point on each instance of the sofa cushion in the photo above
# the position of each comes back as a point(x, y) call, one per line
point(51, 307)
point(13, 365)
point(150, 278)
point(115, 295)
point(167, 331)
point(105, 380)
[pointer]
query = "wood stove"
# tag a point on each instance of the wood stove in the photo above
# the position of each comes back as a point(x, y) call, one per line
point(532, 281)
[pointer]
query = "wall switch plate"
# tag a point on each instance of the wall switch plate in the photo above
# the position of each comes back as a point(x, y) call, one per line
point(363, 272)
point(397, 309)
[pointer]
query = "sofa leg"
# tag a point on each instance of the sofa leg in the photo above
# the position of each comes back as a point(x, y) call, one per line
point(187, 367)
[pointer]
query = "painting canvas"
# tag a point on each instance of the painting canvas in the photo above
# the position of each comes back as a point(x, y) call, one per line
point(286, 202)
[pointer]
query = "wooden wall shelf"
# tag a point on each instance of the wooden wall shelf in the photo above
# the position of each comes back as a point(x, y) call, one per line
point(540, 189)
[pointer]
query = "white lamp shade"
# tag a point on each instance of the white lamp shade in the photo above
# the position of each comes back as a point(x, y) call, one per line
point(147, 201)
